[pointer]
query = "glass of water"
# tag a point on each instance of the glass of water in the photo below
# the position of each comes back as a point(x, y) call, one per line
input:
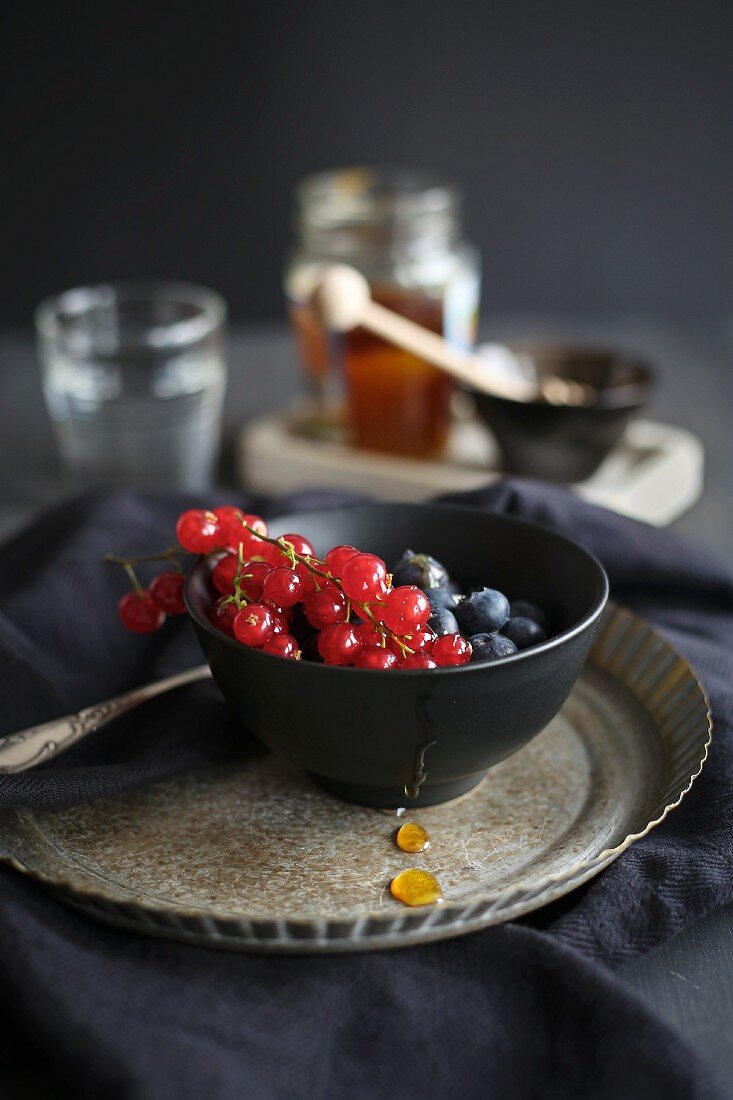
point(134, 378)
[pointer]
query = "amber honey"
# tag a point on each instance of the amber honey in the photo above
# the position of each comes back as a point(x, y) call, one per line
point(397, 402)
point(416, 887)
point(402, 230)
point(412, 837)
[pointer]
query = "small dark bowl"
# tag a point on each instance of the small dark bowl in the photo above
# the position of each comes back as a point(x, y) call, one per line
point(369, 737)
point(567, 443)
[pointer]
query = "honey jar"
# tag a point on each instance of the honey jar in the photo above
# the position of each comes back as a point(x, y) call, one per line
point(402, 230)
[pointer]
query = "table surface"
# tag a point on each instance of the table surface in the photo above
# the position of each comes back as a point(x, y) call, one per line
point(689, 980)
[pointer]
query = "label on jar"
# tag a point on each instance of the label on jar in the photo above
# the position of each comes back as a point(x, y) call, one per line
point(460, 318)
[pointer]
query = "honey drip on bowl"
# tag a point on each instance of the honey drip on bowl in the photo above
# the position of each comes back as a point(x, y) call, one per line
point(416, 887)
point(412, 837)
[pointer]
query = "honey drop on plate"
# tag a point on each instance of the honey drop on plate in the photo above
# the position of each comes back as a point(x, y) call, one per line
point(412, 837)
point(416, 887)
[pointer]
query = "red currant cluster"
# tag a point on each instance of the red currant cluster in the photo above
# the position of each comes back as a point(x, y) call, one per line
point(274, 590)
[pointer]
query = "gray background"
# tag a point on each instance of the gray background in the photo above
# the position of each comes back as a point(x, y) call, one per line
point(592, 140)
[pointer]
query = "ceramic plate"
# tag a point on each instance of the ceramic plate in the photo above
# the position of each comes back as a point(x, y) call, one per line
point(250, 855)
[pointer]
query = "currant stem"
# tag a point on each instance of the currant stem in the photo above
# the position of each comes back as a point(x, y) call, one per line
point(289, 549)
point(133, 577)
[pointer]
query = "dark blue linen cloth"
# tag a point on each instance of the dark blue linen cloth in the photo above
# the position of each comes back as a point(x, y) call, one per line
point(530, 1009)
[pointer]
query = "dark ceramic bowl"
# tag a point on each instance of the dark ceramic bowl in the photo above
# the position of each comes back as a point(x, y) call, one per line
point(369, 737)
point(567, 443)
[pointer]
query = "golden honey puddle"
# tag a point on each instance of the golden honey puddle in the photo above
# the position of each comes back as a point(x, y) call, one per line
point(412, 837)
point(416, 887)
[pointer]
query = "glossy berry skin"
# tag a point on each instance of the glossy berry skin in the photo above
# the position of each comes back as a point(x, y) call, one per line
point(407, 608)
point(300, 545)
point(339, 644)
point(280, 624)
point(524, 609)
point(253, 579)
point(308, 581)
point(441, 598)
point(224, 573)
point(417, 660)
point(376, 658)
point(368, 635)
point(325, 608)
point(337, 558)
point(233, 531)
point(253, 625)
point(491, 647)
point(451, 649)
point(282, 586)
point(443, 622)
point(139, 613)
point(198, 531)
point(419, 569)
point(282, 645)
point(167, 592)
point(523, 632)
point(223, 616)
point(227, 514)
point(364, 578)
point(421, 640)
point(483, 611)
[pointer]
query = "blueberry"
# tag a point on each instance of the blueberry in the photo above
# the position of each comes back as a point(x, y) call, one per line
point(419, 569)
point(482, 611)
point(441, 598)
point(443, 622)
point(523, 609)
point(491, 647)
point(523, 632)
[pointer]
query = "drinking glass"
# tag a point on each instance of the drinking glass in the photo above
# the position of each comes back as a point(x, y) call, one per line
point(134, 378)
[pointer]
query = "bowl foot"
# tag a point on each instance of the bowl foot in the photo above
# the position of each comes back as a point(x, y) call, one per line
point(391, 798)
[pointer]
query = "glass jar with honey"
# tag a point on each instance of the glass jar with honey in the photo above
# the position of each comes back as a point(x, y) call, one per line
point(402, 230)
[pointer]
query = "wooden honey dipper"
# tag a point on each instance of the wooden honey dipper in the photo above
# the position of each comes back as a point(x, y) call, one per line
point(342, 298)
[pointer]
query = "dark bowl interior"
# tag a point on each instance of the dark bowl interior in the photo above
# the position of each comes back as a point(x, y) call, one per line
point(371, 736)
point(563, 442)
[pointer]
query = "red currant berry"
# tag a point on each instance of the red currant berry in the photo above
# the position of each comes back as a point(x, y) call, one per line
point(224, 573)
point(337, 558)
point(253, 624)
point(339, 644)
point(139, 613)
point(451, 649)
point(364, 577)
point(234, 531)
point(252, 579)
point(225, 513)
point(325, 608)
point(280, 624)
point(417, 660)
point(282, 586)
point(378, 610)
point(368, 633)
point(167, 592)
point(407, 608)
point(309, 582)
point(282, 645)
point(300, 545)
point(375, 657)
point(420, 640)
point(223, 616)
point(198, 531)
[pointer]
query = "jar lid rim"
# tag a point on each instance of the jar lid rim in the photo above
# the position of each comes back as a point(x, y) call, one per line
point(365, 193)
